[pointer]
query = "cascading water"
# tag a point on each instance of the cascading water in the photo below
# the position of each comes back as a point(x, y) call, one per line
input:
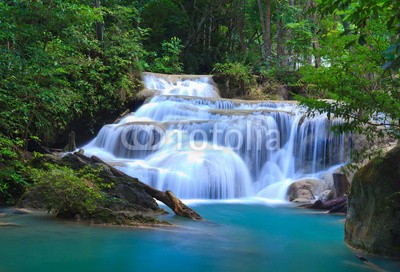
point(190, 141)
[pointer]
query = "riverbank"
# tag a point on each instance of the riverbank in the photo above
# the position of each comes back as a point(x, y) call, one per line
point(8, 214)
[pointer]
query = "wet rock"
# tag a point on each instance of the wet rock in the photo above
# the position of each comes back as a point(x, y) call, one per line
point(302, 200)
point(326, 195)
point(373, 218)
point(306, 190)
point(73, 161)
point(38, 162)
point(124, 194)
point(132, 196)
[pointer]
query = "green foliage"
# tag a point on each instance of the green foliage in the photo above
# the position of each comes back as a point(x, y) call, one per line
point(53, 68)
point(362, 13)
point(366, 95)
point(12, 181)
point(166, 20)
point(283, 76)
point(301, 42)
point(238, 71)
point(66, 192)
point(169, 62)
point(237, 76)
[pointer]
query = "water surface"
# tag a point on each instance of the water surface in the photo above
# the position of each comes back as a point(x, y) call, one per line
point(236, 237)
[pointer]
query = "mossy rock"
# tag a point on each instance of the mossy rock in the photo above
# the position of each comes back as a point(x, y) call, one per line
point(373, 218)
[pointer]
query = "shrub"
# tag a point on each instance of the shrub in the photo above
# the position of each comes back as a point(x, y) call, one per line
point(236, 76)
point(169, 62)
point(12, 181)
point(66, 192)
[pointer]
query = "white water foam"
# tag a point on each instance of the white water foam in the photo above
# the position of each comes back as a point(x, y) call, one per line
point(192, 115)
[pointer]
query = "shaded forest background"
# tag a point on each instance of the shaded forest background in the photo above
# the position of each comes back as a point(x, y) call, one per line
point(74, 64)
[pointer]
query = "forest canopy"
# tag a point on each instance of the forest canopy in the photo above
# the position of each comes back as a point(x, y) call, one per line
point(63, 60)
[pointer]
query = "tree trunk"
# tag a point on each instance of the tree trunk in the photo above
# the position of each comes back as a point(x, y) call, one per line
point(341, 185)
point(98, 25)
point(268, 26)
point(71, 146)
point(241, 28)
point(289, 51)
point(315, 40)
point(263, 31)
point(280, 53)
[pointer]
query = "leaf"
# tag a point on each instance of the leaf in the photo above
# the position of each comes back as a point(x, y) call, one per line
point(361, 40)
point(349, 44)
point(390, 22)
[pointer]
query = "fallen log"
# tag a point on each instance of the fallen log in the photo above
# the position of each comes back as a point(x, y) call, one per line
point(336, 205)
point(168, 198)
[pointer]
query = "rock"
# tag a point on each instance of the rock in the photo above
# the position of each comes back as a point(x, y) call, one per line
point(373, 218)
point(306, 190)
point(34, 146)
point(328, 178)
point(128, 200)
point(132, 196)
point(38, 162)
point(302, 200)
point(73, 161)
point(124, 193)
point(126, 218)
point(326, 195)
point(167, 197)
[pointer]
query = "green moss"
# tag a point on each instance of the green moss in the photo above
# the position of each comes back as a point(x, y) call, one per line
point(373, 220)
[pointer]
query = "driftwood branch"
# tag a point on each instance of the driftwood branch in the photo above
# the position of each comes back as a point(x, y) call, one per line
point(168, 198)
point(122, 115)
point(336, 205)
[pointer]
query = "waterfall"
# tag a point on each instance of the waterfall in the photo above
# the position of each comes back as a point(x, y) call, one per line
point(189, 140)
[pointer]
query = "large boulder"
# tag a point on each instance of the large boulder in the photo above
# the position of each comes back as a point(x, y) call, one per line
point(373, 218)
point(123, 194)
point(306, 190)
